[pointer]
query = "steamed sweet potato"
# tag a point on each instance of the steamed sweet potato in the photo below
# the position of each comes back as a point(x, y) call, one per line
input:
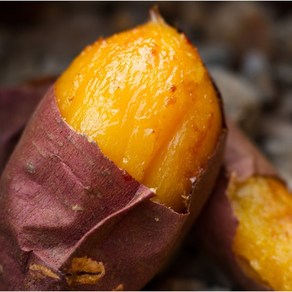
point(246, 224)
point(73, 217)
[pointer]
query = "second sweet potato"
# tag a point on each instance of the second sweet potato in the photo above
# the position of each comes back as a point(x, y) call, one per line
point(247, 221)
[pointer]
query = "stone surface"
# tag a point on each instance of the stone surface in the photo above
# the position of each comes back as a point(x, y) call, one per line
point(216, 54)
point(257, 69)
point(243, 25)
point(285, 106)
point(242, 100)
point(282, 32)
point(277, 143)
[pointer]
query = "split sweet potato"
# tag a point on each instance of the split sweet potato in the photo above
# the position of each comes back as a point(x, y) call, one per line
point(246, 224)
point(73, 215)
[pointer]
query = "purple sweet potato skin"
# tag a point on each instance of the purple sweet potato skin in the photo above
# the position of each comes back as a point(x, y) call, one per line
point(16, 107)
point(216, 226)
point(242, 158)
point(63, 200)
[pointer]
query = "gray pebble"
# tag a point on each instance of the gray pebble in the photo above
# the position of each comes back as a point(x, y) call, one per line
point(282, 38)
point(277, 135)
point(285, 108)
point(242, 100)
point(257, 69)
point(216, 55)
point(283, 73)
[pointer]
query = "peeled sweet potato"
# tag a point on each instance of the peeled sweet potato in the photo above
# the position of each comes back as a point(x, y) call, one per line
point(72, 217)
point(246, 224)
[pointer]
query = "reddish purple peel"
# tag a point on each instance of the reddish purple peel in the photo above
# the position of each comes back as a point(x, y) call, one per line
point(242, 158)
point(216, 226)
point(16, 107)
point(72, 220)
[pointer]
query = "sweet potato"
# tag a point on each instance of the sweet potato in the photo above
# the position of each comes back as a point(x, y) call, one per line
point(247, 221)
point(74, 219)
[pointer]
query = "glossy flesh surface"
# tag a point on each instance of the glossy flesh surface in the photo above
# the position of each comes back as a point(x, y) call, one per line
point(145, 97)
point(263, 238)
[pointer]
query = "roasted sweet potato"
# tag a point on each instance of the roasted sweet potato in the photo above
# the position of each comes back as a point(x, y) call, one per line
point(113, 167)
point(246, 224)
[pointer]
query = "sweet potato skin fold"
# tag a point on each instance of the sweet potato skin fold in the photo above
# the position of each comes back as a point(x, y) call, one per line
point(73, 220)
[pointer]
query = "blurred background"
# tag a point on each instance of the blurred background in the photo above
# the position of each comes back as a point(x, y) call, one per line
point(247, 46)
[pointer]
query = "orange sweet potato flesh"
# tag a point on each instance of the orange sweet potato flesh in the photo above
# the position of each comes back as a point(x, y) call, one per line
point(146, 98)
point(263, 207)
